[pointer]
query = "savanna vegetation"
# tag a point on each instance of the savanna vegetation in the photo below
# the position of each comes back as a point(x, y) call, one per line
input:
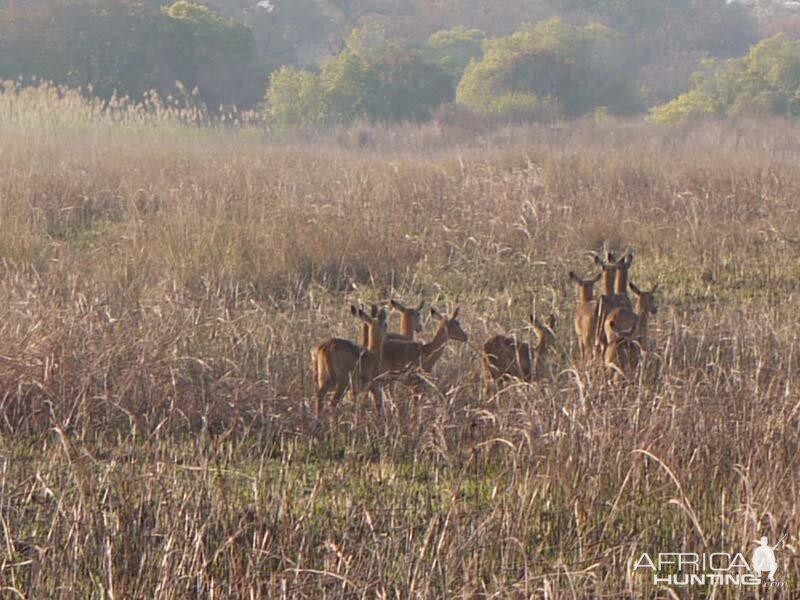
point(163, 283)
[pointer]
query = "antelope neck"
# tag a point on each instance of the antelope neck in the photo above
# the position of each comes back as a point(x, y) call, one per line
point(642, 316)
point(405, 327)
point(609, 276)
point(439, 339)
point(540, 340)
point(375, 340)
point(621, 282)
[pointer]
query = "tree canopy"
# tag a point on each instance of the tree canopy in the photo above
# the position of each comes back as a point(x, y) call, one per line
point(128, 47)
point(551, 66)
point(372, 78)
point(765, 81)
point(324, 62)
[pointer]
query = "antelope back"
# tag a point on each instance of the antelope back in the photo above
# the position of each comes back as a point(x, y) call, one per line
point(506, 355)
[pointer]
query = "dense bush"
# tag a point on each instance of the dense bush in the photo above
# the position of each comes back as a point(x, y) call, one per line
point(295, 97)
point(130, 47)
point(452, 50)
point(373, 78)
point(765, 81)
point(550, 64)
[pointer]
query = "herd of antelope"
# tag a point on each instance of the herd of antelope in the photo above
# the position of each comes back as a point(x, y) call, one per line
point(608, 326)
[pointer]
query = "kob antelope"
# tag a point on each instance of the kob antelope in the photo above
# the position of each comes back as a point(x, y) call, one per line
point(590, 316)
point(400, 355)
point(363, 328)
point(616, 270)
point(626, 332)
point(338, 363)
point(586, 313)
point(505, 356)
point(410, 321)
point(623, 265)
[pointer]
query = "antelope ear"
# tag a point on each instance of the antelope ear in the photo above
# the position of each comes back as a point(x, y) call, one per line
point(531, 319)
point(598, 260)
point(635, 289)
point(354, 310)
point(364, 316)
point(436, 314)
point(574, 278)
point(373, 311)
point(629, 259)
point(455, 313)
point(611, 257)
point(397, 306)
point(597, 277)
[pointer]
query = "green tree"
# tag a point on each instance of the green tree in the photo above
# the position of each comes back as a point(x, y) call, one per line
point(118, 45)
point(375, 78)
point(452, 50)
point(368, 42)
point(216, 54)
point(130, 47)
point(294, 32)
point(690, 105)
point(550, 64)
point(765, 80)
point(295, 98)
point(409, 88)
point(380, 78)
point(350, 86)
point(209, 37)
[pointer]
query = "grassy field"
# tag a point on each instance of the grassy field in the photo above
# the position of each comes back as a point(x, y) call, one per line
point(162, 286)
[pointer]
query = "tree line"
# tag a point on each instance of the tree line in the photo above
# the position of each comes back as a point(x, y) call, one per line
point(324, 62)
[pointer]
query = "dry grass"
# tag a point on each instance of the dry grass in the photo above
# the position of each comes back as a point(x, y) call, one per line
point(161, 288)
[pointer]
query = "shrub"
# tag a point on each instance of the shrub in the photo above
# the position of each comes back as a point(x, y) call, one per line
point(561, 65)
point(372, 79)
point(295, 98)
point(765, 81)
point(452, 50)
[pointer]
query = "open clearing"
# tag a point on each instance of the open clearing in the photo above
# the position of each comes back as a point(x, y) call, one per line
point(162, 287)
